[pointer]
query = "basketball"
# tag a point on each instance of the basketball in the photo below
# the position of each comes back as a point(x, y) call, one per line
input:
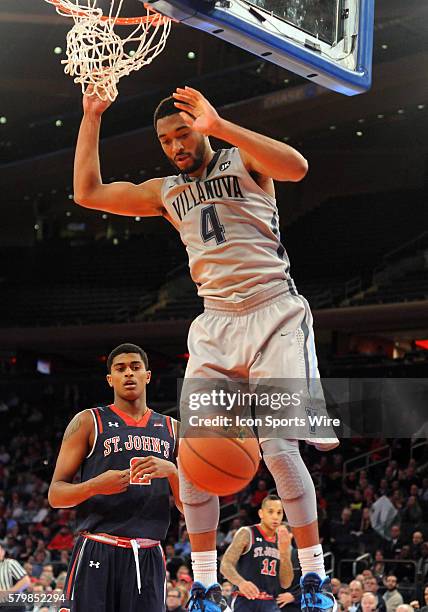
point(217, 464)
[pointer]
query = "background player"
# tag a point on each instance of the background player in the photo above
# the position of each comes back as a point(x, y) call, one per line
point(258, 560)
point(117, 563)
point(224, 207)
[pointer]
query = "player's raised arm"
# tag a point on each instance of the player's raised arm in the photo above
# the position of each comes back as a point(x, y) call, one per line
point(286, 572)
point(121, 198)
point(240, 544)
point(260, 153)
point(76, 444)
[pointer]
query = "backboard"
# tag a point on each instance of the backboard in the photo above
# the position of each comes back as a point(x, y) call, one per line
point(329, 42)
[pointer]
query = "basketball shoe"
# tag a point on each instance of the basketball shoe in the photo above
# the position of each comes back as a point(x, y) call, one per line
point(316, 594)
point(206, 599)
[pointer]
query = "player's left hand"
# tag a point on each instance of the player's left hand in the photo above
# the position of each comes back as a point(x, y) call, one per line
point(283, 599)
point(203, 116)
point(152, 467)
point(284, 538)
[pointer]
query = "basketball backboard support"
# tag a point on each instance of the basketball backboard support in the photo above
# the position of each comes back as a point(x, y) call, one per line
point(329, 42)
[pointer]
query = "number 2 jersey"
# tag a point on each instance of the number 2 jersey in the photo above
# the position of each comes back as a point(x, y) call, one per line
point(260, 564)
point(230, 228)
point(142, 511)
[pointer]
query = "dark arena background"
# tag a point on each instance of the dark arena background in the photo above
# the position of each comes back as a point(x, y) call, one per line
point(75, 283)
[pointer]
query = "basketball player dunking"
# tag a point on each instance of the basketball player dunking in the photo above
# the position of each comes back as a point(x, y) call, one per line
point(255, 324)
point(258, 561)
point(117, 564)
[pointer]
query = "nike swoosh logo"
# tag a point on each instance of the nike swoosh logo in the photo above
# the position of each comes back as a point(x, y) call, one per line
point(317, 555)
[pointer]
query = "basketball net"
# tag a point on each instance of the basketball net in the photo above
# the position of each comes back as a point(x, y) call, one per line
point(97, 55)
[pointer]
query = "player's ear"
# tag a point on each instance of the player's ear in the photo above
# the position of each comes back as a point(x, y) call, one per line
point(260, 513)
point(148, 376)
point(109, 380)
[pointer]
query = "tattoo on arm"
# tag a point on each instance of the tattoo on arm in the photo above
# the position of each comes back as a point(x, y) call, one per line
point(286, 573)
point(240, 544)
point(72, 427)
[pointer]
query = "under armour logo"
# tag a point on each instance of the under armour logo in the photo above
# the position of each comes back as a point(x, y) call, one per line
point(259, 539)
point(115, 424)
point(158, 424)
point(94, 564)
point(224, 166)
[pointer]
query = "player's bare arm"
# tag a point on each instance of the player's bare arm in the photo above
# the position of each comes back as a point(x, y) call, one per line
point(240, 544)
point(121, 198)
point(76, 444)
point(285, 566)
point(260, 154)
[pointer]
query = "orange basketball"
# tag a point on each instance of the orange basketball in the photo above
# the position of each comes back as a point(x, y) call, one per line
point(217, 464)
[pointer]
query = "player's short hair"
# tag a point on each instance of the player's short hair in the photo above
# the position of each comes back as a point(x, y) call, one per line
point(269, 498)
point(127, 347)
point(165, 108)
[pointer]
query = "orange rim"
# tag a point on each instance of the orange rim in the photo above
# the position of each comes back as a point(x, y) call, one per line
point(154, 18)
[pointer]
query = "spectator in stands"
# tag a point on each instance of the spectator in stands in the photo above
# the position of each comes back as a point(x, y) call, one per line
point(416, 605)
point(235, 525)
point(356, 590)
point(392, 597)
point(405, 572)
point(335, 586)
point(371, 586)
point(344, 542)
point(182, 547)
point(416, 545)
point(379, 567)
point(422, 564)
point(368, 602)
point(226, 589)
point(393, 546)
point(63, 540)
point(404, 608)
point(344, 597)
point(173, 600)
point(382, 515)
point(412, 512)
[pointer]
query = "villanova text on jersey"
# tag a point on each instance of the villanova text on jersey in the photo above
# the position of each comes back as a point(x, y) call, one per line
point(230, 227)
point(142, 511)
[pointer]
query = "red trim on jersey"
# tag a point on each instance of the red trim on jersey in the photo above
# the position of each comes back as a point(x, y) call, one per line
point(99, 421)
point(169, 425)
point(71, 577)
point(264, 534)
point(129, 420)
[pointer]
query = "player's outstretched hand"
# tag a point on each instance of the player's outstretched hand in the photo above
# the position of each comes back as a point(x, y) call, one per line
point(92, 104)
point(111, 482)
point(152, 467)
point(248, 589)
point(196, 111)
point(283, 599)
point(284, 538)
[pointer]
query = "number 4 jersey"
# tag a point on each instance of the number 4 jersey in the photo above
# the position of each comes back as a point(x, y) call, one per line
point(260, 564)
point(230, 228)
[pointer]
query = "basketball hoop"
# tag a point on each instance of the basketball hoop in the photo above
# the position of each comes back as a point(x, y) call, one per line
point(97, 55)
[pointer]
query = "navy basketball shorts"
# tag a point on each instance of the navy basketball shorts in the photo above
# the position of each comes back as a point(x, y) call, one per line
point(103, 578)
point(242, 604)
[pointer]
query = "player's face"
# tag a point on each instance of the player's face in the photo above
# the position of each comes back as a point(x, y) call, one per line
point(185, 148)
point(272, 514)
point(128, 376)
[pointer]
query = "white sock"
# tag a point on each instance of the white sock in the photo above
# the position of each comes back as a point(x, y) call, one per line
point(204, 566)
point(312, 560)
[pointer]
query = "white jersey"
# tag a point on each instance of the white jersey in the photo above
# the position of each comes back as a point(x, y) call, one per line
point(230, 228)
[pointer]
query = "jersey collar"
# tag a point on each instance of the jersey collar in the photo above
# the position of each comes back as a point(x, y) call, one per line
point(129, 420)
point(265, 535)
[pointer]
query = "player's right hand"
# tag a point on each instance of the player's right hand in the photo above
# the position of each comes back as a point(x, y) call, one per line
point(111, 482)
point(249, 589)
point(92, 104)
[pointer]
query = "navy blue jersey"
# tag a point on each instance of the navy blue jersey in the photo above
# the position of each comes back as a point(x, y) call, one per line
point(142, 511)
point(260, 564)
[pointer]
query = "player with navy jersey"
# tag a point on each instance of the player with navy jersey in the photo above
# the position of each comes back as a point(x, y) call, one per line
point(126, 456)
point(255, 325)
point(258, 561)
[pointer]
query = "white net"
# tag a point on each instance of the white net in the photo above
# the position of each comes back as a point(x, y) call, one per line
point(97, 55)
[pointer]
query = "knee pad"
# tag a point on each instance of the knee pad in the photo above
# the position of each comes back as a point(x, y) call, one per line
point(201, 509)
point(293, 481)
